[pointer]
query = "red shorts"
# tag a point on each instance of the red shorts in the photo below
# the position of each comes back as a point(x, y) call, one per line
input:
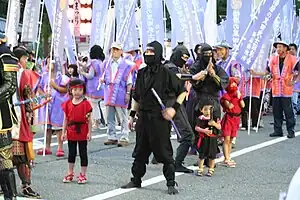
point(230, 125)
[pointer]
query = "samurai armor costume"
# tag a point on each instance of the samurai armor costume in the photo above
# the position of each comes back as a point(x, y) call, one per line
point(8, 83)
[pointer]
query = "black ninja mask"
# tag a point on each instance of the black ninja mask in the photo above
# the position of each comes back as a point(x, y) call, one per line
point(178, 55)
point(155, 59)
point(204, 52)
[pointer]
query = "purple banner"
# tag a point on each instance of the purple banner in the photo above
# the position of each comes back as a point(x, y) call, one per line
point(238, 17)
point(184, 24)
point(152, 21)
point(99, 18)
point(287, 20)
point(199, 10)
point(259, 28)
point(63, 38)
point(127, 33)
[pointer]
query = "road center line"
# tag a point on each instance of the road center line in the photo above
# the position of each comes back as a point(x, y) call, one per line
point(160, 178)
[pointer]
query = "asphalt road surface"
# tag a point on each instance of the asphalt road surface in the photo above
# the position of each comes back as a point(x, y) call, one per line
point(265, 167)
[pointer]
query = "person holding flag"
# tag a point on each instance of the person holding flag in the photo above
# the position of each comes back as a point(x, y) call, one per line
point(282, 68)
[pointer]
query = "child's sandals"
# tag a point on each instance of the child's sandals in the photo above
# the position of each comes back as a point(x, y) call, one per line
point(200, 171)
point(210, 172)
point(229, 163)
point(68, 178)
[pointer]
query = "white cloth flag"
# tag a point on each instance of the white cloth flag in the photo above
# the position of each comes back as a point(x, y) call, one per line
point(30, 21)
point(210, 22)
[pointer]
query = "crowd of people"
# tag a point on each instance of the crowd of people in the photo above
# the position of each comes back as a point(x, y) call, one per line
point(205, 101)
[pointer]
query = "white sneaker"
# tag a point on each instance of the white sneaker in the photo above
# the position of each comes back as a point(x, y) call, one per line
point(243, 129)
point(254, 128)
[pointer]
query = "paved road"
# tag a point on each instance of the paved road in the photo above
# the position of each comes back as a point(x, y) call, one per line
point(265, 167)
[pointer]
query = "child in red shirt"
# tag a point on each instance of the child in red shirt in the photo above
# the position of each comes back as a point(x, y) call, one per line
point(77, 128)
point(232, 103)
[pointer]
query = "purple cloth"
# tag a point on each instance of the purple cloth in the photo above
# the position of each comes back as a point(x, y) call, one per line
point(116, 87)
point(55, 113)
point(92, 84)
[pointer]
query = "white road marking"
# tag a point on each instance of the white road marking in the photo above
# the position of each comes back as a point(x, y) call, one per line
point(160, 178)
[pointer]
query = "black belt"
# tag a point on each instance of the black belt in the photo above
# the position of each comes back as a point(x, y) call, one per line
point(77, 126)
point(233, 114)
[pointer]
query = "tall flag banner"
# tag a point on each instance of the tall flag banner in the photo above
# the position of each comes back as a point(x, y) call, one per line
point(238, 17)
point(127, 33)
point(13, 18)
point(58, 30)
point(63, 38)
point(99, 18)
point(287, 20)
point(152, 21)
point(257, 32)
point(31, 17)
point(199, 10)
point(109, 34)
point(184, 25)
point(210, 22)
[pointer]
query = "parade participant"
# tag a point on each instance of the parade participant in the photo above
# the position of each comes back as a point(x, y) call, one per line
point(117, 87)
point(211, 80)
point(255, 99)
point(282, 68)
point(23, 153)
point(73, 71)
point(232, 103)
point(207, 128)
point(77, 128)
point(153, 126)
point(176, 64)
point(293, 51)
point(95, 72)
point(232, 69)
point(137, 58)
point(58, 92)
point(8, 85)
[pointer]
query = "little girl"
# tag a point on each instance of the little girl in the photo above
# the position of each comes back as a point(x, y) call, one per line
point(77, 128)
point(232, 103)
point(206, 140)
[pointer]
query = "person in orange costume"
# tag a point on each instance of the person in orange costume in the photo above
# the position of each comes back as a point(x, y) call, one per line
point(232, 103)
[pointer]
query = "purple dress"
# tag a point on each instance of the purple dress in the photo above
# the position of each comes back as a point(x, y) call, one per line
point(55, 113)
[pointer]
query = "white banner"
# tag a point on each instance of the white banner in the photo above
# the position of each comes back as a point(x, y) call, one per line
point(13, 19)
point(31, 17)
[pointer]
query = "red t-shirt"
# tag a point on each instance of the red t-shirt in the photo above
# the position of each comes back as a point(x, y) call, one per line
point(234, 100)
point(77, 121)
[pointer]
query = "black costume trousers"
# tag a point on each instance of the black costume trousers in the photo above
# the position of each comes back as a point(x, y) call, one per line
point(283, 105)
point(255, 105)
point(186, 132)
point(153, 135)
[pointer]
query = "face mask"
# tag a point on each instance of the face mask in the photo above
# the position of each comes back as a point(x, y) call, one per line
point(149, 59)
point(232, 89)
point(206, 59)
point(181, 62)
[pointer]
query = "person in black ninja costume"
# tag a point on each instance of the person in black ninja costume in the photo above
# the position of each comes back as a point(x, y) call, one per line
point(176, 63)
point(211, 79)
point(153, 126)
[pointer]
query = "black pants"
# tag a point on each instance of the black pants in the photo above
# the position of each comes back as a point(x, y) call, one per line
point(183, 125)
point(255, 105)
point(82, 152)
point(283, 105)
point(8, 183)
point(153, 135)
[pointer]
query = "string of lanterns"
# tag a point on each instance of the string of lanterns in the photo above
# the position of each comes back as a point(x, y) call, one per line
point(80, 17)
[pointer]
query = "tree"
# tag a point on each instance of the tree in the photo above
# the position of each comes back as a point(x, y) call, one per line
point(45, 33)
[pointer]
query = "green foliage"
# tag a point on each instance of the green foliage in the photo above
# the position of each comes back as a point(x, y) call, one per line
point(45, 34)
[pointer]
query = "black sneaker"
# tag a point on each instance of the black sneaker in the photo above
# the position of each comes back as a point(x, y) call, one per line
point(181, 168)
point(291, 135)
point(28, 192)
point(276, 135)
point(131, 184)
